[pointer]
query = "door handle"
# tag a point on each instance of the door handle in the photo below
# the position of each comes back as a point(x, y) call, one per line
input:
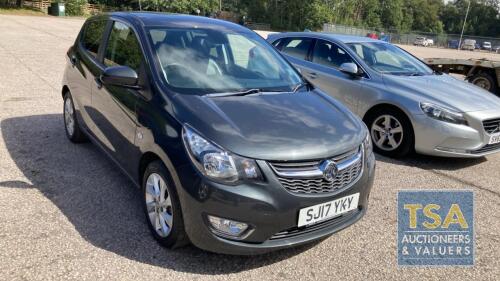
point(98, 82)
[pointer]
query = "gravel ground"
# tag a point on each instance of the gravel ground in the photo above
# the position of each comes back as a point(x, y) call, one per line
point(66, 213)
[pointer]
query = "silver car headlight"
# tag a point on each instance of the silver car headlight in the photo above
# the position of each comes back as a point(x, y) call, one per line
point(443, 114)
point(216, 163)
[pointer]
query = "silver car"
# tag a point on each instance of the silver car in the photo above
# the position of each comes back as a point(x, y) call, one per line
point(405, 105)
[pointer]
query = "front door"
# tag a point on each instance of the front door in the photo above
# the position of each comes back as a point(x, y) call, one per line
point(327, 57)
point(114, 106)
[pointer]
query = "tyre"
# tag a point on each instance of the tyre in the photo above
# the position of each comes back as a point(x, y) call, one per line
point(485, 81)
point(391, 132)
point(71, 126)
point(162, 207)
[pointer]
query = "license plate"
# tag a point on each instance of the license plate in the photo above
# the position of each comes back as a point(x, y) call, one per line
point(495, 138)
point(328, 210)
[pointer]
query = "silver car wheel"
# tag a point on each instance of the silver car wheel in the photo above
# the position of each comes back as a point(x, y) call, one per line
point(387, 132)
point(482, 82)
point(69, 116)
point(159, 205)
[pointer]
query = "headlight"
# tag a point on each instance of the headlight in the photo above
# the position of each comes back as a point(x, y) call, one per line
point(443, 114)
point(216, 163)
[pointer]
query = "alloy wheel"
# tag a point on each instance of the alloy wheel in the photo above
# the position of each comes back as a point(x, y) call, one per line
point(69, 116)
point(387, 132)
point(159, 205)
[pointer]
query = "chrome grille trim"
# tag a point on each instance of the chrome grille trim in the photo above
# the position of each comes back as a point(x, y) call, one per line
point(307, 177)
point(492, 126)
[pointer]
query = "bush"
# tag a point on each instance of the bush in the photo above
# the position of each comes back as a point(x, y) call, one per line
point(74, 7)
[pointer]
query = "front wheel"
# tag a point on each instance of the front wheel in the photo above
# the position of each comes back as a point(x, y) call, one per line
point(162, 207)
point(391, 132)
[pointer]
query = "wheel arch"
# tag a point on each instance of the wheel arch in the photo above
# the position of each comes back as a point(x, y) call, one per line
point(152, 154)
point(144, 161)
point(64, 90)
point(384, 105)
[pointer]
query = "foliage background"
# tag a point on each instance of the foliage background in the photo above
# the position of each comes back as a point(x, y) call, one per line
point(435, 16)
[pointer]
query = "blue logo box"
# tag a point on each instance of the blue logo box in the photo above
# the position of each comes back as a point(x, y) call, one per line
point(435, 228)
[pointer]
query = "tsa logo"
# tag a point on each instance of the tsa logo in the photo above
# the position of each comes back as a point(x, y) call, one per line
point(435, 228)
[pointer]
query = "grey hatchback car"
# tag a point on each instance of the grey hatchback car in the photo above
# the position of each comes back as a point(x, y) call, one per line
point(405, 105)
point(232, 149)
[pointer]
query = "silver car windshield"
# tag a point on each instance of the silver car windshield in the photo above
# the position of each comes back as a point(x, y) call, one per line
point(389, 59)
point(203, 61)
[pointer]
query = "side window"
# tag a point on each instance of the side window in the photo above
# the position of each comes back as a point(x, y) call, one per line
point(329, 54)
point(123, 47)
point(276, 43)
point(92, 36)
point(297, 47)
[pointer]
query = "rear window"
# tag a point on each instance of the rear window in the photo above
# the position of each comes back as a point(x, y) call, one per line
point(92, 36)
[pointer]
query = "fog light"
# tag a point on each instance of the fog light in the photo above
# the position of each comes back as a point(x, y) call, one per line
point(227, 227)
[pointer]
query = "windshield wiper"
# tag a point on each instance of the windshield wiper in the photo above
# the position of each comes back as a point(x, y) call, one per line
point(233, 94)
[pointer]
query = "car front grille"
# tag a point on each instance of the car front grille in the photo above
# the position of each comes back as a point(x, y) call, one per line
point(487, 148)
point(307, 178)
point(492, 126)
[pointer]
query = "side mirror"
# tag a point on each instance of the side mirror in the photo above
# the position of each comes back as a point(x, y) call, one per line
point(119, 76)
point(349, 68)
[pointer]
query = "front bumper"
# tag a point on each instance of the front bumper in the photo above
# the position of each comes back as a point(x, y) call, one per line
point(438, 138)
point(269, 209)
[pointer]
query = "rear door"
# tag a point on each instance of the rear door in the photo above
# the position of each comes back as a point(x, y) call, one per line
point(84, 60)
point(114, 106)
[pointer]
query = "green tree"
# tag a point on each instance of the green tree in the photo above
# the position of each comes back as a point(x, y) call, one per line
point(74, 7)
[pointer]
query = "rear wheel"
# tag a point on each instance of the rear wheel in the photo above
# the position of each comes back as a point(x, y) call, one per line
point(162, 207)
point(391, 132)
point(71, 126)
point(484, 80)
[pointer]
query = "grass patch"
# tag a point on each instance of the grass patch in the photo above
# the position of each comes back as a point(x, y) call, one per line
point(21, 11)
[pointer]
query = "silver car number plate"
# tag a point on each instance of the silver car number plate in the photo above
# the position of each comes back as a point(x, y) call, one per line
point(328, 210)
point(495, 138)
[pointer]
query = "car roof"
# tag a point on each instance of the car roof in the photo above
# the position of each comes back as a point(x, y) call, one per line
point(176, 20)
point(331, 36)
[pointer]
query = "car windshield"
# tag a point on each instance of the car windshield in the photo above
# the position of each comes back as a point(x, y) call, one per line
point(203, 61)
point(389, 59)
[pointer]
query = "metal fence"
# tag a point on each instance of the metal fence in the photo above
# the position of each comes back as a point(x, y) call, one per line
point(440, 40)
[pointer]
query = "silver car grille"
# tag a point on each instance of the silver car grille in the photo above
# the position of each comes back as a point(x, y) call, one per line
point(492, 126)
point(307, 177)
